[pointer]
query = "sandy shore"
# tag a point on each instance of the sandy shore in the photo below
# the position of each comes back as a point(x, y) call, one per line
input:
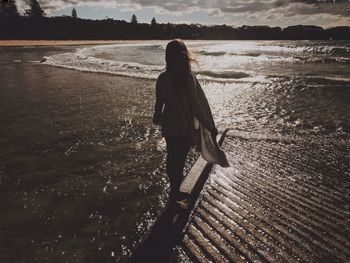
point(22, 43)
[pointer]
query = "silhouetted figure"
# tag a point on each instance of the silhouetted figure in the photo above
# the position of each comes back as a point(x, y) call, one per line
point(74, 13)
point(184, 114)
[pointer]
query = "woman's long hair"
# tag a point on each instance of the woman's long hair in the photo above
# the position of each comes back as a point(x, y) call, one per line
point(178, 60)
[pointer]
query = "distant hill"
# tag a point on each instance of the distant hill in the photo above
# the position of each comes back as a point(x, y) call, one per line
point(69, 28)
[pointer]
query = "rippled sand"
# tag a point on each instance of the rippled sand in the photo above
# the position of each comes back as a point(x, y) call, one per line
point(285, 197)
point(279, 202)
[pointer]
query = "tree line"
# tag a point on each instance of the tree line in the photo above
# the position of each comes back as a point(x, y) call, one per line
point(35, 25)
point(8, 8)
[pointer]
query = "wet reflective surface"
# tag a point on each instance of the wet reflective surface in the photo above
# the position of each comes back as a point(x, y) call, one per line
point(285, 197)
point(277, 203)
point(82, 173)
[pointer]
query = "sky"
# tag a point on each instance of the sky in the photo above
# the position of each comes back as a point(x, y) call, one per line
point(325, 13)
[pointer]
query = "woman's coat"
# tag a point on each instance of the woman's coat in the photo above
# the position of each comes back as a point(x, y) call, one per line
point(186, 111)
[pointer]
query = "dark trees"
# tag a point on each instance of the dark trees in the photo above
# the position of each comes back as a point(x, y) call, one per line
point(67, 27)
point(74, 13)
point(154, 21)
point(34, 9)
point(8, 8)
point(300, 31)
point(133, 19)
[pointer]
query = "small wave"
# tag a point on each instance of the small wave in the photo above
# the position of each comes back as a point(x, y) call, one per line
point(341, 60)
point(80, 62)
point(312, 137)
point(212, 53)
point(340, 51)
point(224, 74)
point(18, 61)
point(331, 78)
point(223, 53)
point(253, 54)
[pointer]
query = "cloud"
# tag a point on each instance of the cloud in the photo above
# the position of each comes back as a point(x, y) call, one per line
point(252, 9)
point(341, 7)
point(215, 12)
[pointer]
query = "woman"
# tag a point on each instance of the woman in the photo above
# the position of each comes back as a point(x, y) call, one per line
point(184, 114)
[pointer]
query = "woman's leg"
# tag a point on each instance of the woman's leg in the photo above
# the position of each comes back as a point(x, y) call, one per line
point(177, 150)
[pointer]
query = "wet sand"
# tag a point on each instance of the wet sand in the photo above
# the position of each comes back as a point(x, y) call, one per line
point(81, 177)
point(275, 204)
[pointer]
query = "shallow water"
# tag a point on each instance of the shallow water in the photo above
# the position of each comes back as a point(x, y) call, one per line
point(224, 61)
point(82, 169)
point(81, 176)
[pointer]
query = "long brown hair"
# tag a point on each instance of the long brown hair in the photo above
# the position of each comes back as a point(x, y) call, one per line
point(178, 59)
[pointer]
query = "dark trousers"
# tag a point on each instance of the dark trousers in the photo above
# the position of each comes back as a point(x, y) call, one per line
point(177, 151)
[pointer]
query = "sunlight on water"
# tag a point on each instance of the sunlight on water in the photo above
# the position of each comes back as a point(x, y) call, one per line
point(81, 151)
point(217, 60)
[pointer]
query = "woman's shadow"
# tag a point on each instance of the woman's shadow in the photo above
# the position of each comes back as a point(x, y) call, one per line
point(169, 229)
point(164, 236)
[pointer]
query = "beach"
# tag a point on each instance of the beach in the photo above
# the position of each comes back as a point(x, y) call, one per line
point(83, 168)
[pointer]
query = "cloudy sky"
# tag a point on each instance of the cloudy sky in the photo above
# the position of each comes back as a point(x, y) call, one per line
point(325, 13)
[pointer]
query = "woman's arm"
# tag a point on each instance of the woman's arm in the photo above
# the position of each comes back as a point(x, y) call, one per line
point(158, 108)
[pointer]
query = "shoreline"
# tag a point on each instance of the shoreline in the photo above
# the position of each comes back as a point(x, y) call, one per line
point(34, 43)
